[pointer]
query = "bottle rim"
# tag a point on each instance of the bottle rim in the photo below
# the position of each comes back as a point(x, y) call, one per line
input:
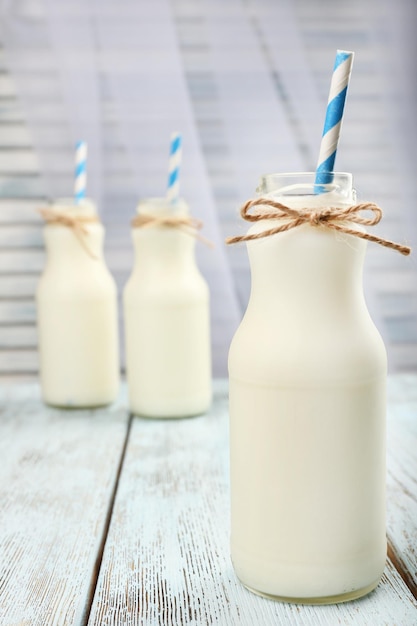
point(69, 205)
point(161, 205)
point(302, 183)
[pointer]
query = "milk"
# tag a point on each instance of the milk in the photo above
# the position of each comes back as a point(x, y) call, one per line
point(77, 315)
point(167, 320)
point(307, 413)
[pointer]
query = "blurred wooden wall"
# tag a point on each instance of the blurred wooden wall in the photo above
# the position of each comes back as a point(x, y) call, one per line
point(247, 101)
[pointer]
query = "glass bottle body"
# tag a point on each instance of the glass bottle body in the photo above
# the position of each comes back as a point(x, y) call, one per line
point(307, 409)
point(77, 316)
point(167, 320)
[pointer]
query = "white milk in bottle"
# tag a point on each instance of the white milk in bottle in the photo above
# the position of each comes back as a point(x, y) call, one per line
point(307, 410)
point(76, 311)
point(167, 318)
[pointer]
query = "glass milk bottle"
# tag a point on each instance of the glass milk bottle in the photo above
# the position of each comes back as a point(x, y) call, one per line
point(307, 409)
point(77, 311)
point(167, 318)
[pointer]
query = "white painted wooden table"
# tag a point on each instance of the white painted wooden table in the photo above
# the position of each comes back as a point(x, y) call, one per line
point(105, 520)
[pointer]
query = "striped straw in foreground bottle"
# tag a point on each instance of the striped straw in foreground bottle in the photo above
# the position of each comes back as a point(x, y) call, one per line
point(334, 114)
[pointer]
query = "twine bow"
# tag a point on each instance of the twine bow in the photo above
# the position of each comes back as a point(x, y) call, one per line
point(329, 217)
point(75, 222)
point(189, 225)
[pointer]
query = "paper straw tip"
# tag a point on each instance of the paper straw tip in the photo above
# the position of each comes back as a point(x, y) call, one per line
point(342, 56)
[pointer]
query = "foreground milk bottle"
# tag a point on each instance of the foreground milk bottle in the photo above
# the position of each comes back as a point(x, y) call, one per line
point(307, 409)
point(167, 319)
point(76, 310)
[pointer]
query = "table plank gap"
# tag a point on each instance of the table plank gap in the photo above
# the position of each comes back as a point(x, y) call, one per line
point(99, 559)
point(402, 569)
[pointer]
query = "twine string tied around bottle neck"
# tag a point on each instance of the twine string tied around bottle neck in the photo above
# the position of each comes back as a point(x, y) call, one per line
point(328, 217)
point(77, 223)
point(186, 223)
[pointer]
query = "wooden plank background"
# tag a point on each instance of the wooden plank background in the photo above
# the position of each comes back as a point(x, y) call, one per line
point(248, 69)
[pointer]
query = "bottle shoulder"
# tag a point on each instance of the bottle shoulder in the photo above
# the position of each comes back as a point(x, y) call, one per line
point(91, 276)
point(182, 287)
point(307, 354)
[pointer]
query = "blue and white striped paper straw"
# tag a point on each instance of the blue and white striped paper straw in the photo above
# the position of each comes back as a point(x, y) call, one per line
point(334, 114)
point(173, 191)
point(80, 182)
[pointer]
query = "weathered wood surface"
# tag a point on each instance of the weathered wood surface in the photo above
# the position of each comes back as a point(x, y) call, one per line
point(402, 476)
point(166, 559)
point(166, 551)
point(58, 472)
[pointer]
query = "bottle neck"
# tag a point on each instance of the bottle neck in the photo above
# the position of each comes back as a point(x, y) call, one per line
point(68, 248)
point(307, 273)
point(73, 233)
point(309, 270)
point(163, 248)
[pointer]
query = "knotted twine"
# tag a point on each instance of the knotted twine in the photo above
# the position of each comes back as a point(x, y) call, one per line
point(329, 217)
point(185, 223)
point(75, 222)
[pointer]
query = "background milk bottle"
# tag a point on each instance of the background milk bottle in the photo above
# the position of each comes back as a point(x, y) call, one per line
point(167, 319)
point(76, 311)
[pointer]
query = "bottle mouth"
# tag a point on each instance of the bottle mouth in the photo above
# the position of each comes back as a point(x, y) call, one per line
point(304, 183)
point(69, 205)
point(162, 206)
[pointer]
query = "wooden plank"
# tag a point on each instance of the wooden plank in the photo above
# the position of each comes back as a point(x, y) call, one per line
point(21, 360)
point(31, 185)
point(24, 260)
point(7, 87)
point(21, 235)
point(57, 161)
point(15, 135)
point(58, 472)
point(19, 161)
point(166, 559)
point(15, 210)
point(17, 337)
point(38, 60)
point(22, 186)
point(21, 286)
point(43, 110)
point(37, 85)
point(18, 286)
point(18, 311)
point(10, 112)
point(402, 476)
